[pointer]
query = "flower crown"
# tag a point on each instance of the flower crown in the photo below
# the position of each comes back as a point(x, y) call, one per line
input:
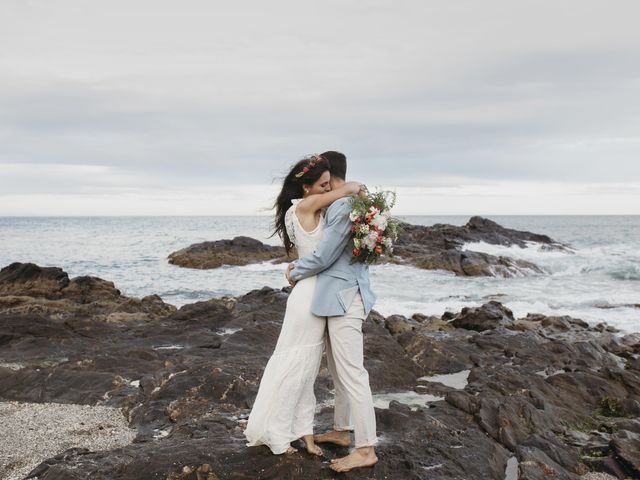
point(313, 161)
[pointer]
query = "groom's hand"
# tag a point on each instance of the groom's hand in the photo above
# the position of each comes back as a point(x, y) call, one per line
point(291, 281)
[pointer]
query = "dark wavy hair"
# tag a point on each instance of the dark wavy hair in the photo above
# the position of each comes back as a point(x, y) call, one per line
point(292, 187)
point(337, 163)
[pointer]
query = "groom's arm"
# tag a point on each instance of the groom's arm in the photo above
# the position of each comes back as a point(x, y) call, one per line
point(335, 237)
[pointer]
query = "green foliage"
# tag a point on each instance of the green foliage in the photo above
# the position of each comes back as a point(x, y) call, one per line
point(584, 425)
point(608, 407)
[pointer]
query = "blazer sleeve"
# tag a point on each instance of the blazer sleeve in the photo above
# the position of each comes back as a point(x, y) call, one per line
point(337, 231)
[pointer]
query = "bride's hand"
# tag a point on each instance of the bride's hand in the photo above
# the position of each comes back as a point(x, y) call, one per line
point(287, 274)
point(354, 186)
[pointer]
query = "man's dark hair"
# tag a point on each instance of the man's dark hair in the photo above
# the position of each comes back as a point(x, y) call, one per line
point(337, 163)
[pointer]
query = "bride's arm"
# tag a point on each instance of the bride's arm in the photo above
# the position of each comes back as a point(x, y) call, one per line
point(317, 201)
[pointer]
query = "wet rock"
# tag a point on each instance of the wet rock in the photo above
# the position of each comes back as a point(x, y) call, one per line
point(439, 247)
point(31, 280)
point(488, 316)
point(90, 289)
point(27, 289)
point(238, 251)
point(536, 465)
point(434, 247)
point(398, 324)
point(381, 351)
point(434, 323)
point(626, 445)
point(555, 323)
point(559, 396)
point(522, 324)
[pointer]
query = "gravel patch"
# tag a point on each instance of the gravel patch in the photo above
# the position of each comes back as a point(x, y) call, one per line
point(32, 432)
point(598, 476)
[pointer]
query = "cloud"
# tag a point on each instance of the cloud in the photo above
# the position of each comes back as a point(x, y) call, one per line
point(169, 98)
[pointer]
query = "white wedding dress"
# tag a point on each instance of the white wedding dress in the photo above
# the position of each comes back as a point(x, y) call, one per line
point(285, 406)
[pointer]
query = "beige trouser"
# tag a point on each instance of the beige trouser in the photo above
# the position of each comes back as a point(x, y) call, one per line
point(345, 359)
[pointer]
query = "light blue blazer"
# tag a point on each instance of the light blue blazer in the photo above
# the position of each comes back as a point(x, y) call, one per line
point(338, 279)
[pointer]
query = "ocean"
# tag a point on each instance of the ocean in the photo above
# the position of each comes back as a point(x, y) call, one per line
point(600, 282)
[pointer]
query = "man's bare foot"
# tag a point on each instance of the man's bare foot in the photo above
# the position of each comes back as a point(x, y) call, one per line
point(342, 438)
point(360, 457)
point(312, 448)
point(291, 450)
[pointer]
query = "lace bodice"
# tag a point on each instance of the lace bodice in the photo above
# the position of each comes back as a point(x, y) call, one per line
point(305, 242)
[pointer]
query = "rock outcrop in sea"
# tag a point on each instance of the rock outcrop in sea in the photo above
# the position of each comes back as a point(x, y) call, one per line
point(466, 395)
point(434, 247)
point(237, 251)
point(439, 247)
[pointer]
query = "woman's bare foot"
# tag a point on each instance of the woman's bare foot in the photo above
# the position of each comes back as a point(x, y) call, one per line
point(360, 457)
point(342, 438)
point(312, 448)
point(291, 450)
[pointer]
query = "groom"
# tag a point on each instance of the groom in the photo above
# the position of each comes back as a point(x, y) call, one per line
point(344, 296)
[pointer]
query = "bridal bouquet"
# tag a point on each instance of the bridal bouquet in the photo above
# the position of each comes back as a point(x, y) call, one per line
point(373, 229)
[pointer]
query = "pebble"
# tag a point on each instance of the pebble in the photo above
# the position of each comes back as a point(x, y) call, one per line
point(598, 476)
point(32, 432)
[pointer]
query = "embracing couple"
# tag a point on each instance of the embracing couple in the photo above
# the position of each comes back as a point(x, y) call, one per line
point(330, 299)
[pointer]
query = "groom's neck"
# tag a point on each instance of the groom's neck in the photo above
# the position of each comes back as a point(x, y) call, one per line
point(337, 183)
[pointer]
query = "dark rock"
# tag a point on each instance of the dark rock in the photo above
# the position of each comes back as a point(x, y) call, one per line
point(488, 316)
point(419, 317)
point(381, 351)
point(31, 280)
point(435, 247)
point(90, 289)
point(559, 397)
point(557, 324)
point(439, 247)
point(626, 445)
point(238, 251)
point(448, 315)
point(27, 289)
point(537, 465)
point(398, 324)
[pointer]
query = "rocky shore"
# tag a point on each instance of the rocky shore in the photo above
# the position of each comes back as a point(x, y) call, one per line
point(434, 247)
point(477, 394)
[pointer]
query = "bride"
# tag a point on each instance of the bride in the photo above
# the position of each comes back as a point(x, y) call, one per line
point(285, 406)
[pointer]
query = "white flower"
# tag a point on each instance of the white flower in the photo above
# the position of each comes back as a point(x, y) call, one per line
point(379, 221)
point(374, 210)
point(353, 215)
point(356, 242)
point(387, 242)
point(364, 229)
point(370, 240)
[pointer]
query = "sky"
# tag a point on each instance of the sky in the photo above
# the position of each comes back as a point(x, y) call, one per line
point(200, 107)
